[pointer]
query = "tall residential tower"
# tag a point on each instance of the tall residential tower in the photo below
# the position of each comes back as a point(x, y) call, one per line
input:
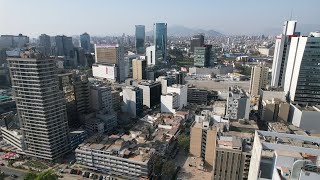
point(41, 107)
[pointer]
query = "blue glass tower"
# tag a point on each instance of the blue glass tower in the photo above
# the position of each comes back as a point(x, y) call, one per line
point(160, 41)
point(85, 42)
point(140, 39)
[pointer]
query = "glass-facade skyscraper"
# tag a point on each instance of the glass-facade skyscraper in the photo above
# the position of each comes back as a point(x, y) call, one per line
point(160, 41)
point(140, 39)
point(85, 42)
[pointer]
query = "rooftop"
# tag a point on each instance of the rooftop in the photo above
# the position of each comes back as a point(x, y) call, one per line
point(306, 145)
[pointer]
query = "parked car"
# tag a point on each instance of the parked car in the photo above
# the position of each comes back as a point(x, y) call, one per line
point(13, 176)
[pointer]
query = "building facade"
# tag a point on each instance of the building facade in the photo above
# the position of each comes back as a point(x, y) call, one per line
point(151, 93)
point(238, 104)
point(281, 51)
point(133, 101)
point(169, 103)
point(203, 141)
point(196, 41)
point(45, 44)
point(85, 42)
point(139, 69)
point(151, 55)
point(140, 39)
point(259, 79)
point(41, 108)
point(111, 54)
point(182, 91)
point(160, 41)
point(302, 83)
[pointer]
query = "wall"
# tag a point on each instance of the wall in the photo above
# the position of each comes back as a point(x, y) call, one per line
point(104, 71)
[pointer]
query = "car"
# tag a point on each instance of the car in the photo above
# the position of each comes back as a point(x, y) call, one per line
point(87, 174)
point(13, 176)
point(101, 177)
point(1, 164)
point(91, 175)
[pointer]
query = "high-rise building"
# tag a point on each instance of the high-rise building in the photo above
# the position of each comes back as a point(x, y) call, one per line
point(133, 100)
point(179, 77)
point(45, 44)
point(302, 83)
point(63, 46)
point(140, 39)
point(85, 42)
point(151, 93)
point(203, 141)
point(203, 56)
point(281, 52)
point(196, 41)
point(111, 54)
point(160, 41)
point(66, 86)
point(41, 107)
point(259, 79)
point(139, 69)
point(238, 104)
point(101, 98)
point(12, 41)
point(151, 55)
point(82, 94)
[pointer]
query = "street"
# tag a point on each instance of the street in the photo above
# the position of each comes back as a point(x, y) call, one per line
point(9, 171)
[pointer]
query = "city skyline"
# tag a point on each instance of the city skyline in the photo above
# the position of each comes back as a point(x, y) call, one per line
point(75, 18)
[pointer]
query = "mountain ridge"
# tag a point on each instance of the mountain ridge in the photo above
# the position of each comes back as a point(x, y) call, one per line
point(185, 31)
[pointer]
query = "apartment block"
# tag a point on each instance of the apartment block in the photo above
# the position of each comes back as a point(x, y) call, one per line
point(259, 79)
point(203, 141)
point(41, 107)
point(232, 158)
point(199, 96)
point(238, 104)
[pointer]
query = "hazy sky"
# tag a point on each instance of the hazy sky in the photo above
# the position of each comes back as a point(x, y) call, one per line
point(114, 17)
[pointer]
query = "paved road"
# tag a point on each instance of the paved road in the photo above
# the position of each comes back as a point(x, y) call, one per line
point(9, 171)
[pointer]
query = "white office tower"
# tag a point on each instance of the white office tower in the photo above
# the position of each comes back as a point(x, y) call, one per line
point(41, 107)
point(182, 91)
point(169, 103)
point(281, 53)
point(302, 83)
point(259, 79)
point(151, 55)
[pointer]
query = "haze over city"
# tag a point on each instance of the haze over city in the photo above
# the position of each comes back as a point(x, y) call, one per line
point(114, 17)
point(159, 90)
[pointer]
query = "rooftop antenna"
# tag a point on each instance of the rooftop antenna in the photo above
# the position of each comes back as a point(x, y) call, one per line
point(291, 15)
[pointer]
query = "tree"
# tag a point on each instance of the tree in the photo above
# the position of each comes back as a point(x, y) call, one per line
point(47, 175)
point(168, 170)
point(30, 176)
point(184, 142)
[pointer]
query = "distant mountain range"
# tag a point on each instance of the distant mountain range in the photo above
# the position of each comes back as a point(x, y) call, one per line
point(184, 31)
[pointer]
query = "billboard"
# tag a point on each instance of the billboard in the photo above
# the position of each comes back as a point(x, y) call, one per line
point(104, 71)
